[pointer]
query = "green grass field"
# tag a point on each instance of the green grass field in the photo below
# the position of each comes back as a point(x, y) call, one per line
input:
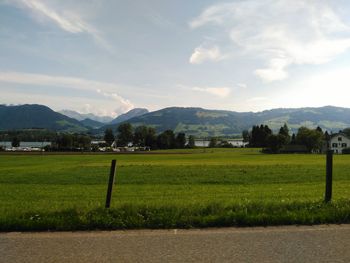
point(202, 188)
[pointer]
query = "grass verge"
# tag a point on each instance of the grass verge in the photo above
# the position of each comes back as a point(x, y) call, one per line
point(194, 216)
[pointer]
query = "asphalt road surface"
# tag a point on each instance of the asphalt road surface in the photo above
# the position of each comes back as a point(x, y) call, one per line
point(272, 244)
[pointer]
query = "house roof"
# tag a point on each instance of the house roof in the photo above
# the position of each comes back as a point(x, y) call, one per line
point(338, 134)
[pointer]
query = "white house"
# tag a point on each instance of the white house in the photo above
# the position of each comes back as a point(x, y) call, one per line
point(338, 142)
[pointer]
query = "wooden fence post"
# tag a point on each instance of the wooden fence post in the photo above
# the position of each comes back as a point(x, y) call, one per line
point(111, 183)
point(329, 175)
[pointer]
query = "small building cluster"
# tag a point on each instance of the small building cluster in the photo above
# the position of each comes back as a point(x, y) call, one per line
point(25, 146)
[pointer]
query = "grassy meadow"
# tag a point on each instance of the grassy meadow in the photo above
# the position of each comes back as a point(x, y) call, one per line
point(170, 189)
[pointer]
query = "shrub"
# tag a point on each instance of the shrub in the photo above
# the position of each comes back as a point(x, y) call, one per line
point(346, 151)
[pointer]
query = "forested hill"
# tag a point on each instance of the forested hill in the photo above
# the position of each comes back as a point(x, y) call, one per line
point(36, 116)
point(202, 122)
point(193, 121)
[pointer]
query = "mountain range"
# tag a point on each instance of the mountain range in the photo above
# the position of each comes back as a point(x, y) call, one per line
point(196, 121)
point(202, 122)
point(128, 115)
point(82, 116)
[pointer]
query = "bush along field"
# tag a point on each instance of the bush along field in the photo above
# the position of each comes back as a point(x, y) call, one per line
point(170, 189)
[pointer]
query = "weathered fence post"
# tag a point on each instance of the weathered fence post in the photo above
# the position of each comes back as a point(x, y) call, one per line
point(329, 175)
point(111, 183)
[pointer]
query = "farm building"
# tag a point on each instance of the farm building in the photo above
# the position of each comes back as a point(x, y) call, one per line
point(339, 142)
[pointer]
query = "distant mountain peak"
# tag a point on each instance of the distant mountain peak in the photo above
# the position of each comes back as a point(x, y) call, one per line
point(82, 116)
point(136, 112)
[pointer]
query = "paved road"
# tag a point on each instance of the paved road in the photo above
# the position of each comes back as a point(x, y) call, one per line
point(272, 244)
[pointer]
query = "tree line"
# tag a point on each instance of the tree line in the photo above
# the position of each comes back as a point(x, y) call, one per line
point(311, 140)
point(59, 141)
point(144, 136)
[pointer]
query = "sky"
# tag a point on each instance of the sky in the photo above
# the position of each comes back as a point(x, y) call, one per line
point(107, 57)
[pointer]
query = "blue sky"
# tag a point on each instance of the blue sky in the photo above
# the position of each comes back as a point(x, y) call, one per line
point(107, 57)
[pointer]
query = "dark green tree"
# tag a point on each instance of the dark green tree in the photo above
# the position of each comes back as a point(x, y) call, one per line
point(191, 142)
point(327, 137)
point(284, 131)
point(276, 142)
point(84, 142)
point(347, 132)
point(293, 140)
point(109, 137)
point(259, 136)
point(166, 140)
point(15, 142)
point(312, 139)
point(151, 138)
point(213, 142)
point(125, 134)
point(180, 140)
point(65, 142)
point(140, 135)
point(319, 129)
point(246, 136)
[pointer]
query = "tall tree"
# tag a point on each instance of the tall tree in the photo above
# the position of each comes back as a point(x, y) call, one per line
point(275, 142)
point(191, 142)
point(293, 140)
point(284, 131)
point(15, 142)
point(180, 140)
point(140, 135)
point(327, 137)
point(213, 142)
point(259, 136)
point(246, 136)
point(312, 139)
point(166, 140)
point(125, 134)
point(109, 137)
point(65, 142)
point(151, 138)
point(347, 132)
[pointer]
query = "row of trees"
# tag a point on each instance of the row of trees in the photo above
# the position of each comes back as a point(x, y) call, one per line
point(69, 142)
point(143, 136)
point(313, 140)
point(29, 135)
point(59, 142)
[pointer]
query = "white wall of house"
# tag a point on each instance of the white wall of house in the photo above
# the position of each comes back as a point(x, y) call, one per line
point(339, 142)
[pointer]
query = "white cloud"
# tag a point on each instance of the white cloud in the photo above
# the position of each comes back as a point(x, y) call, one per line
point(124, 104)
point(67, 19)
point(221, 92)
point(330, 87)
point(257, 99)
point(280, 33)
point(108, 90)
point(242, 85)
point(201, 54)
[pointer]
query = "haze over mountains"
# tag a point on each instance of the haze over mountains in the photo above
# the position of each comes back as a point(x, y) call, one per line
point(82, 116)
point(196, 121)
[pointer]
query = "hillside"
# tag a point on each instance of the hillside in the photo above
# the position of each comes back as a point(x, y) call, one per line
point(91, 123)
point(128, 115)
point(201, 122)
point(36, 116)
point(196, 121)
